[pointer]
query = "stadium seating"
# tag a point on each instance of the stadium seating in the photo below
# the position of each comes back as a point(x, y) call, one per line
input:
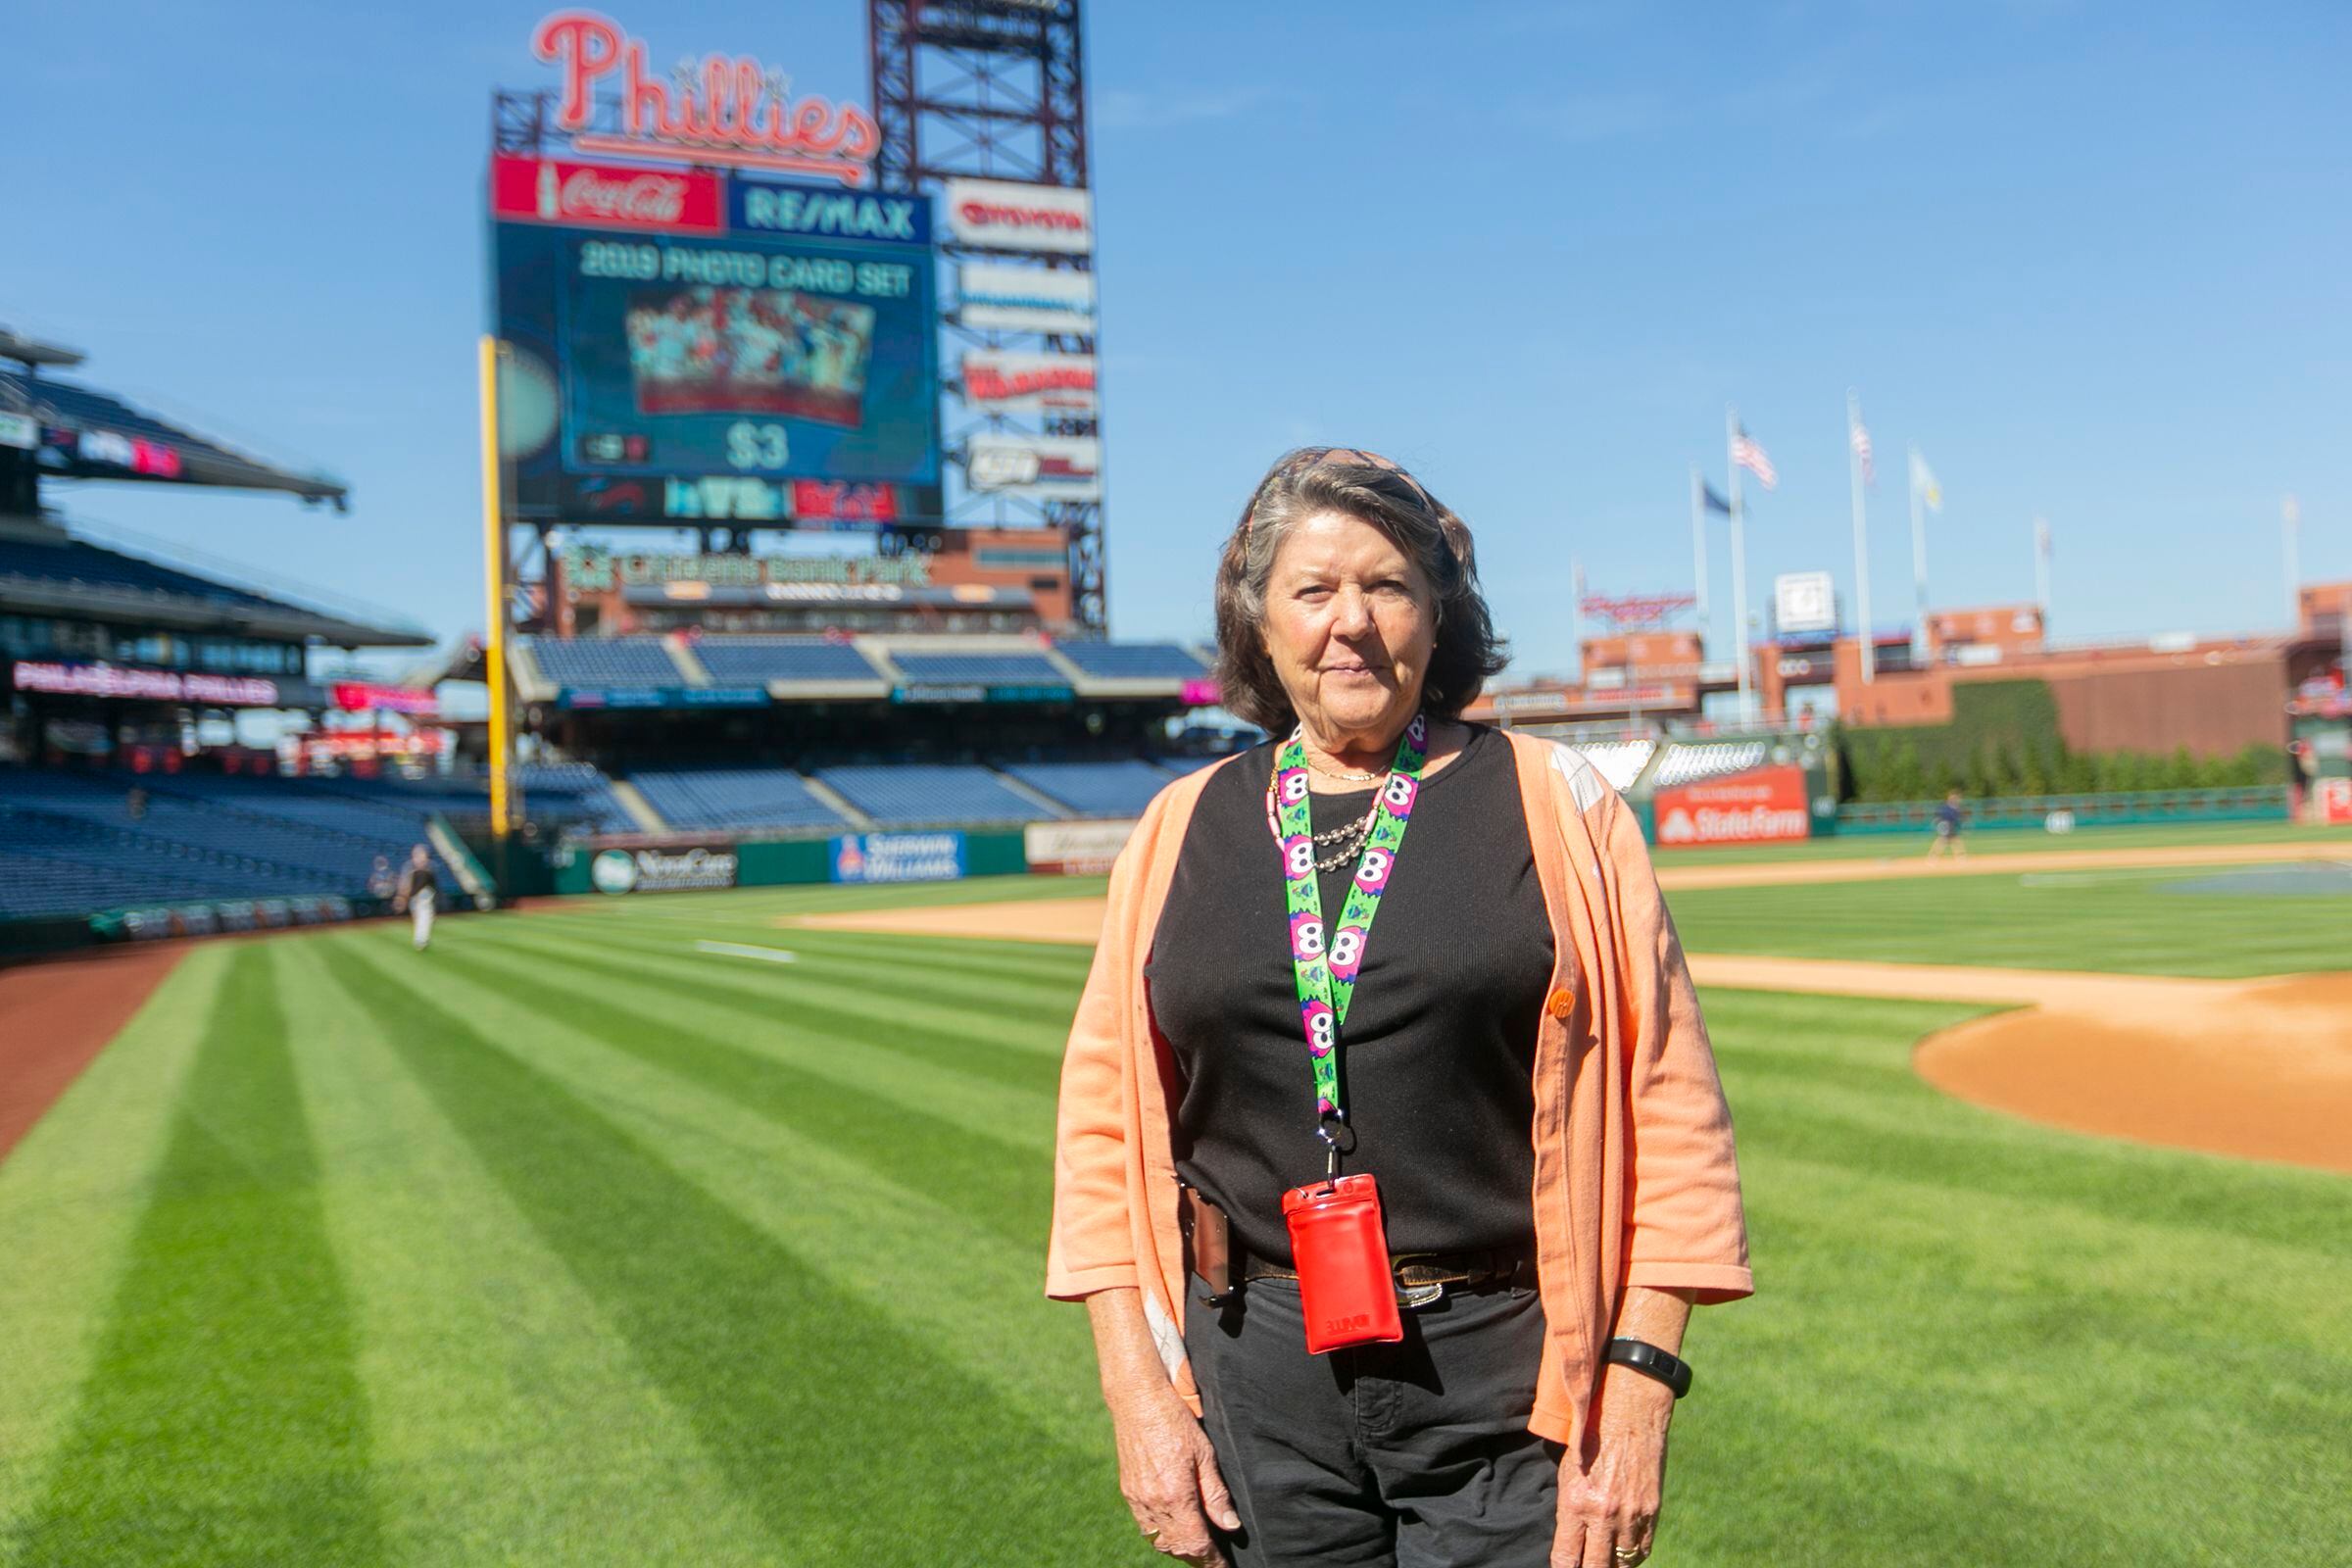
point(756, 660)
point(734, 798)
point(75, 562)
point(200, 837)
point(1688, 761)
point(1095, 789)
point(605, 662)
point(930, 792)
point(1618, 761)
point(1134, 661)
point(985, 670)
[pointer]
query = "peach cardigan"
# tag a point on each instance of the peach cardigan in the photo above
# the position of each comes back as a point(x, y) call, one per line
point(1636, 1183)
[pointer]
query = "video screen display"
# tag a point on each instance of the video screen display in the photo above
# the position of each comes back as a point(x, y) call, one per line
point(750, 350)
point(644, 360)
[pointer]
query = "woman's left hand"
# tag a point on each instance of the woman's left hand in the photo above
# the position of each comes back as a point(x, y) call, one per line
point(1610, 1489)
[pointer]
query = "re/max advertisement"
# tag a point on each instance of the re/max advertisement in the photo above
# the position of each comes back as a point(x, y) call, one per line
point(733, 328)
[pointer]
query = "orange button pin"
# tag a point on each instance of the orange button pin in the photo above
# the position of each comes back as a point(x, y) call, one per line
point(1560, 1003)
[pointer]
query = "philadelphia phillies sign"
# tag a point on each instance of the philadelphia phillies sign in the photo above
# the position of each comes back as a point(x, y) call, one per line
point(717, 109)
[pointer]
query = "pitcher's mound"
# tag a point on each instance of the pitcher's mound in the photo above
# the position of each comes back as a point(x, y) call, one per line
point(2260, 1069)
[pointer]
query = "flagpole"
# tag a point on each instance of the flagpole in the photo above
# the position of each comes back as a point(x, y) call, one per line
point(1853, 465)
point(1731, 443)
point(2290, 519)
point(2041, 572)
point(1699, 555)
point(1575, 614)
point(1919, 564)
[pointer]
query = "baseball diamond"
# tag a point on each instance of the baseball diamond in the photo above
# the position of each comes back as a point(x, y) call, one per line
point(585, 1239)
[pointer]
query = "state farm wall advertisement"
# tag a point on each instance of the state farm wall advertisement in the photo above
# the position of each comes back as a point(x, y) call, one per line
point(1764, 807)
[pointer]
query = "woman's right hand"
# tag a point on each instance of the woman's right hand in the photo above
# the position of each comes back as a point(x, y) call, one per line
point(1168, 1474)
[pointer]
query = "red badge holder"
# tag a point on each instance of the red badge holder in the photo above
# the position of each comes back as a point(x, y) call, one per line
point(1339, 1247)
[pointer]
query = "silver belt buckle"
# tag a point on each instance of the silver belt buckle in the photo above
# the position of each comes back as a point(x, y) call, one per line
point(1413, 1295)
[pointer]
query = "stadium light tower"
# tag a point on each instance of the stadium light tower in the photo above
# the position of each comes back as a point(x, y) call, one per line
point(995, 89)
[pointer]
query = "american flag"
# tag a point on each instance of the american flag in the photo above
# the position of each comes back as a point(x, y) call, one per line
point(1748, 454)
point(1861, 439)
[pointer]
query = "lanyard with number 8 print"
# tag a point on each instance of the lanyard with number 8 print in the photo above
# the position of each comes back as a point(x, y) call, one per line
point(1326, 969)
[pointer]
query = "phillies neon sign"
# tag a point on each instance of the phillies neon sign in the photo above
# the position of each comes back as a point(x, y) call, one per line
point(721, 110)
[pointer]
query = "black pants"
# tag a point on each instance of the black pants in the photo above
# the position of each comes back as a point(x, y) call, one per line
point(1406, 1455)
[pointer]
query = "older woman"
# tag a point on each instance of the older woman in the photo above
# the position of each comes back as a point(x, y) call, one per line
point(1390, 1163)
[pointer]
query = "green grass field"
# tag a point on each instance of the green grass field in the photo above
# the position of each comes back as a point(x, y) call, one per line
point(566, 1243)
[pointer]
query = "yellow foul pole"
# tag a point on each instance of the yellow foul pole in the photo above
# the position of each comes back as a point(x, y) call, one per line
point(494, 560)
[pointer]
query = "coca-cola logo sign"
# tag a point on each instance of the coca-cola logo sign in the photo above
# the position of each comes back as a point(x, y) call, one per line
point(639, 199)
point(719, 109)
point(606, 196)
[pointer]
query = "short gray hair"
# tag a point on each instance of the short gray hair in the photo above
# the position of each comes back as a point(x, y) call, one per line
point(1367, 486)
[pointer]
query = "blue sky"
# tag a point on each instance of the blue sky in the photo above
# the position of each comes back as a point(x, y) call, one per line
point(2091, 257)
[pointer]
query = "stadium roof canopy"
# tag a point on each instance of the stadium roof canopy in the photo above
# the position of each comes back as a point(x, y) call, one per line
point(43, 571)
point(89, 434)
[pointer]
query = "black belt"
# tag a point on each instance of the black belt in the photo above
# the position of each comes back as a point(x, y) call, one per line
point(1493, 1269)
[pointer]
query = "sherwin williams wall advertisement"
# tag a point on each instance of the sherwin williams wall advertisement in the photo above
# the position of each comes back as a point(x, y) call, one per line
point(667, 325)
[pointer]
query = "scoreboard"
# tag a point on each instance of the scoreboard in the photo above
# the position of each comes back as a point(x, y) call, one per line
point(669, 329)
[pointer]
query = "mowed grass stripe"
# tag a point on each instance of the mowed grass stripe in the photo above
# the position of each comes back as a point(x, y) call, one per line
point(2051, 1336)
point(70, 1198)
point(1008, 1188)
point(223, 1419)
point(972, 1003)
point(1876, 1123)
point(1044, 963)
point(981, 989)
point(979, 1107)
point(845, 1434)
point(2126, 927)
point(511, 1422)
point(895, 1225)
point(844, 1009)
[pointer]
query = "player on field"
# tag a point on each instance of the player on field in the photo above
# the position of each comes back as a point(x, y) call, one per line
point(417, 895)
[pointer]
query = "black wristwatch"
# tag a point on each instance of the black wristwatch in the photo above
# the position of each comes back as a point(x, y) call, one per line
point(1647, 1359)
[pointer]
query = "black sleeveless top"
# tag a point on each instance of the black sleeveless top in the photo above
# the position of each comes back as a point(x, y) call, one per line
point(1438, 1053)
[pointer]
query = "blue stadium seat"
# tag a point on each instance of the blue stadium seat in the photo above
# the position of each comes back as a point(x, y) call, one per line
point(1120, 788)
point(756, 660)
point(930, 792)
point(1134, 661)
point(986, 670)
point(734, 798)
point(605, 662)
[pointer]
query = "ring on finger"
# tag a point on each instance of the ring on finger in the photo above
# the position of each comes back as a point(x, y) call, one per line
point(1629, 1555)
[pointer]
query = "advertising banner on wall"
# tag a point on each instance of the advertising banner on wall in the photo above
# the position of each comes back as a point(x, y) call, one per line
point(897, 857)
point(1074, 848)
point(1035, 468)
point(992, 296)
point(664, 870)
point(997, 382)
point(24, 432)
point(1000, 214)
point(2333, 799)
point(665, 328)
point(1764, 805)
